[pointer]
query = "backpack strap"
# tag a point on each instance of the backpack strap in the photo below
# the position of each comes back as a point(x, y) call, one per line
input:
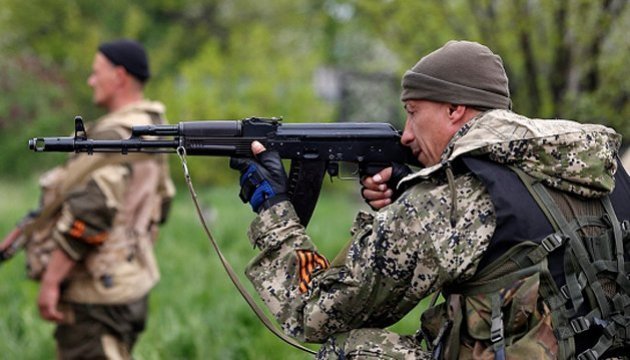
point(497, 335)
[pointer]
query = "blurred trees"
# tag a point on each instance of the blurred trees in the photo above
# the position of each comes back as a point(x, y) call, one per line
point(305, 60)
point(564, 58)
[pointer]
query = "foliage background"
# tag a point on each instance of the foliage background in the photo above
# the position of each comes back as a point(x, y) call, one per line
point(305, 60)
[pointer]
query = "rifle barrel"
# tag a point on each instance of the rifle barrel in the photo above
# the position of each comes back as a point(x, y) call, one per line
point(70, 144)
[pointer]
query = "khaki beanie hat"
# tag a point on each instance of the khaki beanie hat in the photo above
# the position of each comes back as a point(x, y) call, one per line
point(460, 73)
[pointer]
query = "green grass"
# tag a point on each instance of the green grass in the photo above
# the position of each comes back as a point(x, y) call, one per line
point(195, 311)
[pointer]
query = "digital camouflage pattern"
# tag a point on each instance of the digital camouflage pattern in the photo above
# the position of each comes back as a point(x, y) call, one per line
point(421, 242)
point(372, 343)
point(576, 158)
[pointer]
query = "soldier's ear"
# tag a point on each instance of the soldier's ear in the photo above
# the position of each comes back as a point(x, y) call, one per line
point(451, 109)
point(456, 113)
point(122, 75)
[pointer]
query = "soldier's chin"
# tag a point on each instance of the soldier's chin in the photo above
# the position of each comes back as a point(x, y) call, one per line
point(422, 159)
point(99, 102)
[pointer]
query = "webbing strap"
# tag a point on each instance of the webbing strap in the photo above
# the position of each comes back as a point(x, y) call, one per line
point(573, 290)
point(551, 206)
point(228, 268)
point(596, 351)
point(547, 246)
point(617, 326)
point(579, 324)
point(529, 183)
point(496, 327)
point(577, 248)
point(623, 281)
point(618, 235)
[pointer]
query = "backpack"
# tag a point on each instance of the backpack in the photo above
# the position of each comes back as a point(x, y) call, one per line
point(514, 307)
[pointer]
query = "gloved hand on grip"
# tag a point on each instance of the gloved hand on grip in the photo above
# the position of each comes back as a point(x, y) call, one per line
point(263, 180)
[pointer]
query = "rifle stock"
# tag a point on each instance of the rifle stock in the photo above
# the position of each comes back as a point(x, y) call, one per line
point(11, 244)
point(313, 148)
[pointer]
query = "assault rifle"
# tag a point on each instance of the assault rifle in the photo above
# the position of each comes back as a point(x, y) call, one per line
point(313, 148)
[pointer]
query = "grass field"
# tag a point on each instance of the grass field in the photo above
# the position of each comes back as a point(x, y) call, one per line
point(196, 313)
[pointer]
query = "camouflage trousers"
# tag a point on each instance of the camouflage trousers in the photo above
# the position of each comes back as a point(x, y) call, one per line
point(372, 344)
point(100, 331)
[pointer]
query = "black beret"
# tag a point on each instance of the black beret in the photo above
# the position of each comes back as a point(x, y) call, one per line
point(128, 54)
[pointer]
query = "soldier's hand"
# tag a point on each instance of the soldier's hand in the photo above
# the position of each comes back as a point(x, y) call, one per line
point(375, 191)
point(59, 266)
point(263, 180)
point(382, 188)
point(47, 302)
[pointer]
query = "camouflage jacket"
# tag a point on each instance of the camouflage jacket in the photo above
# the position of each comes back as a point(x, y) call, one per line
point(108, 217)
point(433, 235)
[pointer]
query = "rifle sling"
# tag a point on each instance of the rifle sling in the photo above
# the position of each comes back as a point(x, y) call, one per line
point(228, 268)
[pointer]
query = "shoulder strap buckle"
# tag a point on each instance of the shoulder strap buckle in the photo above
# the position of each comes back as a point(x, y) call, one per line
point(580, 324)
point(496, 329)
point(564, 290)
point(552, 242)
point(589, 354)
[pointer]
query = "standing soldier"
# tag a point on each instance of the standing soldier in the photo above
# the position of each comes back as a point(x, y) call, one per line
point(521, 224)
point(91, 243)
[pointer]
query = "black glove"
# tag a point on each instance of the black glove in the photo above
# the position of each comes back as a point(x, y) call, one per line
point(263, 181)
point(399, 171)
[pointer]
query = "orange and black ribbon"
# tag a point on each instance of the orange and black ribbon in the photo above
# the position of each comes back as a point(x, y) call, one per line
point(309, 262)
point(78, 232)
